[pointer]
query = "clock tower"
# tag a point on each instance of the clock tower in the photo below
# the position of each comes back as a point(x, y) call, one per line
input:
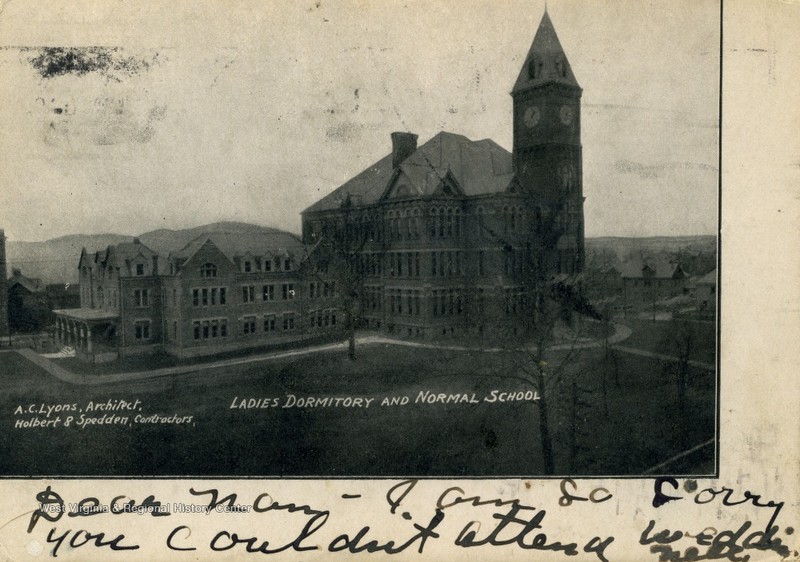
point(547, 148)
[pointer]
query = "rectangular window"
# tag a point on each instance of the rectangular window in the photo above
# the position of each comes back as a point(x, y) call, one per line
point(269, 292)
point(174, 297)
point(288, 321)
point(248, 294)
point(214, 328)
point(222, 292)
point(249, 325)
point(139, 269)
point(141, 297)
point(142, 329)
point(223, 328)
point(269, 323)
point(204, 300)
point(175, 330)
point(213, 296)
point(248, 266)
point(196, 328)
point(287, 264)
point(206, 329)
point(267, 265)
point(288, 291)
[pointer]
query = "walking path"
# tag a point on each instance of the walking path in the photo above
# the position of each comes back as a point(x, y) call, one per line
point(661, 356)
point(621, 333)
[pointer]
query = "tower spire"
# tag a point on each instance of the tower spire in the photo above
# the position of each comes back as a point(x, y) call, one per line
point(546, 60)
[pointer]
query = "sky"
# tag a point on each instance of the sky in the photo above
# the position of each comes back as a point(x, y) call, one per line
point(196, 112)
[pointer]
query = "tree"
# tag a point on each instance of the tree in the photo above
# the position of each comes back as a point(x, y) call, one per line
point(546, 295)
point(339, 260)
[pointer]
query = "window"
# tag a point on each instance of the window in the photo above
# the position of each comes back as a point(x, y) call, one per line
point(269, 292)
point(204, 300)
point(142, 329)
point(269, 323)
point(208, 270)
point(267, 265)
point(288, 291)
point(248, 294)
point(287, 264)
point(141, 297)
point(311, 288)
point(247, 266)
point(175, 330)
point(222, 293)
point(139, 269)
point(174, 297)
point(249, 325)
point(288, 321)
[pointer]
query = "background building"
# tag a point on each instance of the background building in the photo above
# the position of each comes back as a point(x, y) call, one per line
point(3, 287)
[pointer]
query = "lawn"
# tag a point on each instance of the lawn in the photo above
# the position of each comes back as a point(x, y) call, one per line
point(642, 427)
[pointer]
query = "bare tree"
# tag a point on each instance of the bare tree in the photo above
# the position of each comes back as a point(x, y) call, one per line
point(339, 259)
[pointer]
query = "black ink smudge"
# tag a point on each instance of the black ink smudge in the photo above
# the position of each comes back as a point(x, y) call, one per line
point(51, 62)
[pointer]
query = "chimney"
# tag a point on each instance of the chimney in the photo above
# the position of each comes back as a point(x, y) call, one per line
point(403, 146)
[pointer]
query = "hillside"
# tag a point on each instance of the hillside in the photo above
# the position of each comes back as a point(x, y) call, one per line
point(56, 260)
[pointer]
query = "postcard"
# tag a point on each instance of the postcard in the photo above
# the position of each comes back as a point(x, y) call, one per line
point(444, 280)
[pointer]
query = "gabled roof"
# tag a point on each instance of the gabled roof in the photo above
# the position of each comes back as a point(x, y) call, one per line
point(33, 285)
point(548, 59)
point(238, 244)
point(477, 167)
point(654, 269)
point(709, 278)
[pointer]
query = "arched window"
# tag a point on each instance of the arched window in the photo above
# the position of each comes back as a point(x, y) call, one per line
point(434, 221)
point(208, 270)
point(481, 222)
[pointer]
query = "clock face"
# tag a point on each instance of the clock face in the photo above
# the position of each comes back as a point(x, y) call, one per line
point(566, 113)
point(531, 116)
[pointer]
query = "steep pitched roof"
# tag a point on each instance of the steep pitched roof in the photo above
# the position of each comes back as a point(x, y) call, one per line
point(662, 269)
point(546, 60)
point(33, 285)
point(478, 167)
point(237, 244)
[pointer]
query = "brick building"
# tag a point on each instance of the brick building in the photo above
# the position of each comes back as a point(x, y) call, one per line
point(450, 234)
point(221, 292)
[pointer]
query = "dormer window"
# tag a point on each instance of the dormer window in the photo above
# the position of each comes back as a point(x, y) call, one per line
point(267, 265)
point(208, 270)
point(287, 264)
point(139, 269)
point(248, 266)
point(535, 68)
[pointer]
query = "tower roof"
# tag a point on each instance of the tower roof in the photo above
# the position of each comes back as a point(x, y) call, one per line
point(546, 60)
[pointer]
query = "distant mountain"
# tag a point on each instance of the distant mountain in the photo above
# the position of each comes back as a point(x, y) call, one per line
point(56, 260)
point(697, 254)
